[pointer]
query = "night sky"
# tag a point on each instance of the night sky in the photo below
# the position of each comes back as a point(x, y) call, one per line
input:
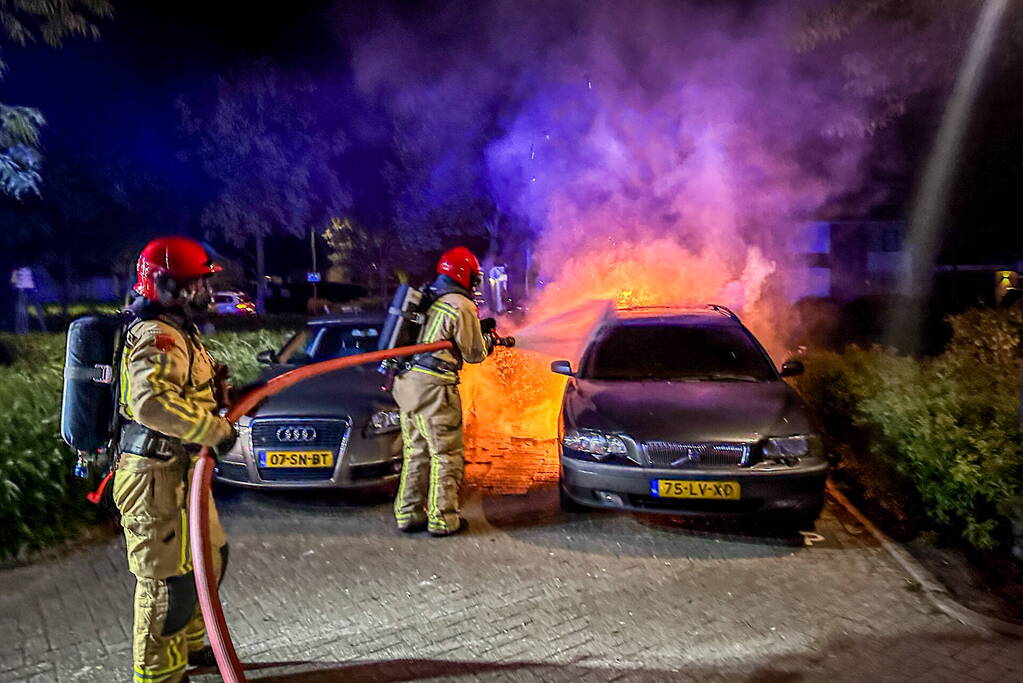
point(116, 97)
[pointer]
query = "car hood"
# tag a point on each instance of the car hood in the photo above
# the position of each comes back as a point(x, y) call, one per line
point(354, 392)
point(687, 411)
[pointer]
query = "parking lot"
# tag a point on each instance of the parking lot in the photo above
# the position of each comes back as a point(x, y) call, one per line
point(323, 588)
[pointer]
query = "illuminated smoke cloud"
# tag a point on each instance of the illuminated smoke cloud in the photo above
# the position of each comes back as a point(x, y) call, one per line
point(661, 152)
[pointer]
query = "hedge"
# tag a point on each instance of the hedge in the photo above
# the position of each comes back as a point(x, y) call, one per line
point(41, 502)
point(936, 438)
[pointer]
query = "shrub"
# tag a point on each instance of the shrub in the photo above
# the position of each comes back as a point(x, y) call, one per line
point(238, 350)
point(945, 429)
point(41, 502)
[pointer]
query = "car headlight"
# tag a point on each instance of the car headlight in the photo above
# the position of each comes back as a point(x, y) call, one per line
point(244, 445)
point(789, 449)
point(597, 444)
point(384, 421)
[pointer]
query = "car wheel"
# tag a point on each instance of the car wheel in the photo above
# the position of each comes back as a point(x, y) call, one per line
point(566, 502)
point(803, 519)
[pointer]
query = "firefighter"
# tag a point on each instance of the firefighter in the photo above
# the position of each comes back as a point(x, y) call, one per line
point(168, 412)
point(430, 406)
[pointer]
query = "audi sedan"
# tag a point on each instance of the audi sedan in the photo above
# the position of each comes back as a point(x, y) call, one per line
point(681, 411)
point(337, 430)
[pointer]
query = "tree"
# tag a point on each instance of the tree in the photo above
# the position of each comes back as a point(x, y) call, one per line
point(923, 43)
point(29, 21)
point(19, 153)
point(271, 143)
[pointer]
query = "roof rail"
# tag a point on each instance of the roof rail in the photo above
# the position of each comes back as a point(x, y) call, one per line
point(725, 310)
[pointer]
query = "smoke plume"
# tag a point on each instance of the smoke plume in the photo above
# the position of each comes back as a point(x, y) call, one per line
point(660, 152)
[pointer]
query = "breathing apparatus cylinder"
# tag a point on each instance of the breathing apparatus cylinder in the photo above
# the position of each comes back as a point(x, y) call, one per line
point(405, 318)
point(90, 383)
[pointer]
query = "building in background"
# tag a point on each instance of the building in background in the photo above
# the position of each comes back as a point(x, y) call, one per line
point(849, 260)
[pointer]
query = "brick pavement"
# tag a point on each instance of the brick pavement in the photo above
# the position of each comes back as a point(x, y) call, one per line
point(328, 591)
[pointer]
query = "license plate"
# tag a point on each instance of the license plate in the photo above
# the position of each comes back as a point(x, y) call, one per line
point(683, 488)
point(296, 459)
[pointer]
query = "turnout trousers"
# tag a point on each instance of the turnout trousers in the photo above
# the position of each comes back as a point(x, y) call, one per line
point(434, 452)
point(152, 496)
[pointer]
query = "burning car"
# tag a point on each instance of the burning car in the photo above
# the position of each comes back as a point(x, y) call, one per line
point(336, 430)
point(682, 411)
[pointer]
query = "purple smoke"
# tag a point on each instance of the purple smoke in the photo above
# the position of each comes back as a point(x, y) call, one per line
point(605, 124)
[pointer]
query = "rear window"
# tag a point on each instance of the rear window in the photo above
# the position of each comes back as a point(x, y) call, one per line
point(677, 352)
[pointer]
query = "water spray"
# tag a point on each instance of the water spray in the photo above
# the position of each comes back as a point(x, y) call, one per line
point(198, 509)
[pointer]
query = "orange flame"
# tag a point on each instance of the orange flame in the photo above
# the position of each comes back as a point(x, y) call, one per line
point(512, 401)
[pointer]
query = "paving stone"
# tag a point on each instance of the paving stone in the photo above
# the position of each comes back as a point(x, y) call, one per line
point(528, 594)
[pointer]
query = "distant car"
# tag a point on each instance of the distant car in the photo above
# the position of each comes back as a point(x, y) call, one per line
point(233, 303)
point(337, 430)
point(681, 411)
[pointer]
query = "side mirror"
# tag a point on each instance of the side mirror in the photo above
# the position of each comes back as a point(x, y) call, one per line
point(562, 367)
point(267, 357)
point(792, 368)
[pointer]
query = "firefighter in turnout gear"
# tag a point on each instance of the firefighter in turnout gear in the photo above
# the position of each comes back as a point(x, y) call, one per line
point(430, 406)
point(168, 411)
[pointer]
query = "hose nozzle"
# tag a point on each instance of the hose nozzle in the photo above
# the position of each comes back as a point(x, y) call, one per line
point(507, 342)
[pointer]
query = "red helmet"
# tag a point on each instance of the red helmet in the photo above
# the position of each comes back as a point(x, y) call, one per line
point(462, 266)
point(179, 258)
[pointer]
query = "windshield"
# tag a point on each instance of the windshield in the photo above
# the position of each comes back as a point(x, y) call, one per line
point(324, 342)
point(677, 352)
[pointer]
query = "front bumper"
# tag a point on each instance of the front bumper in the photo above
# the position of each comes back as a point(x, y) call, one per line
point(361, 461)
point(786, 490)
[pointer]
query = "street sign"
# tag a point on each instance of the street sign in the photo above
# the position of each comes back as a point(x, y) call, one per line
point(312, 277)
point(22, 279)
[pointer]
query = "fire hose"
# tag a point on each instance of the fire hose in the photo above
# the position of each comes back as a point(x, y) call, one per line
point(198, 499)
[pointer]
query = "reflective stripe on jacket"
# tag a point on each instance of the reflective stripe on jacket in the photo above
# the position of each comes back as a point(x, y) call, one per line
point(453, 317)
point(167, 383)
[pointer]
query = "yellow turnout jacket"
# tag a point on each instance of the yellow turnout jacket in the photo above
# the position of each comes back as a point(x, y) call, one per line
point(167, 383)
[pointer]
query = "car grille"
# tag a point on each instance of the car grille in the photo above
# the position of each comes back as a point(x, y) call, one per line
point(696, 455)
point(330, 435)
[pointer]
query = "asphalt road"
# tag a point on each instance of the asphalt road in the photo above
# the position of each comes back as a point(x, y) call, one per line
point(322, 588)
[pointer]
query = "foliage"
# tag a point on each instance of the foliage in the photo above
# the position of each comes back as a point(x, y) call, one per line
point(23, 22)
point(944, 429)
point(19, 155)
point(908, 65)
point(26, 21)
point(41, 502)
point(238, 350)
point(273, 155)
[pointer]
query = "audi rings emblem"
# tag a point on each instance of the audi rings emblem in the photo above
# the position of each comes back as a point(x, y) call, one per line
point(296, 434)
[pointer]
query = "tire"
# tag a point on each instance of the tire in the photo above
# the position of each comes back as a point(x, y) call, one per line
point(803, 519)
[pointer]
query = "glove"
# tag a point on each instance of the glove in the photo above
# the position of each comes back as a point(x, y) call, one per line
point(488, 325)
point(225, 445)
point(222, 386)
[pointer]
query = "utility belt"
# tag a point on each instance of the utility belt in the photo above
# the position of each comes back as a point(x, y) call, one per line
point(428, 361)
point(140, 440)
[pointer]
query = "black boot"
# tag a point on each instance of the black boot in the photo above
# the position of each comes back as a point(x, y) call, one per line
point(203, 657)
point(412, 528)
point(463, 525)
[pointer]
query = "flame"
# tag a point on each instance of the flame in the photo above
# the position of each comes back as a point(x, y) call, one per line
point(512, 401)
